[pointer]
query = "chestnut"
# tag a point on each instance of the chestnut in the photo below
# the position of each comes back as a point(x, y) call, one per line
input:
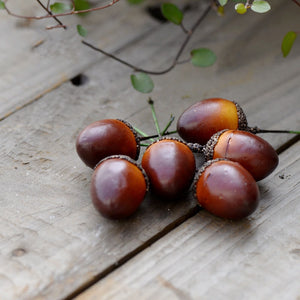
point(104, 138)
point(251, 151)
point(118, 186)
point(226, 189)
point(203, 119)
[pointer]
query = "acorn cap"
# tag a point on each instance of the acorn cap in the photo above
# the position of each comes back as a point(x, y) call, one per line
point(137, 139)
point(201, 171)
point(129, 159)
point(209, 148)
point(172, 138)
point(242, 119)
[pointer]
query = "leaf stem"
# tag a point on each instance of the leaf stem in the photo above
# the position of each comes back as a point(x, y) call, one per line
point(143, 134)
point(151, 103)
point(156, 135)
point(172, 118)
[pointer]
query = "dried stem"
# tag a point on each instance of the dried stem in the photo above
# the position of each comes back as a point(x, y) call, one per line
point(297, 2)
point(51, 15)
point(175, 61)
point(46, 8)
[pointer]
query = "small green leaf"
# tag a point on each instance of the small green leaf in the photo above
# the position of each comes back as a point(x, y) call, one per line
point(288, 42)
point(240, 8)
point(172, 13)
point(260, 6)
point(203, 57)
point(135, 1)
point(81, 30)
point(82, 5)
point(59, 7)
point(223, 2)
point(142, 82)
point(2, 5)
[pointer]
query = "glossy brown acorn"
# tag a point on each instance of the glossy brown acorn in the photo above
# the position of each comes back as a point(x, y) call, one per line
point(251, 151)
point(226, 189)
point(170, 166)
point(118, 187)
point(104, 138)
point(203, 119)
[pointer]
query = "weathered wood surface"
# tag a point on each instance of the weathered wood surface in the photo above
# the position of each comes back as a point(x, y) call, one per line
point(52, 240)
point(209, 258)
point(29, 72)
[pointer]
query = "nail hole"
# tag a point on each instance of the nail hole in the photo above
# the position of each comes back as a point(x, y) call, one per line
point(18, 252)
point(79, 80)
point(155, 12)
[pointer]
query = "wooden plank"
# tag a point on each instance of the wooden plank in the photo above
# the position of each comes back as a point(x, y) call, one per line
point(209, 258)
point(30, 72)
point(52, 240)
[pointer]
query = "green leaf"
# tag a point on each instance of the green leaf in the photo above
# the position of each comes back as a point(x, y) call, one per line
point(240, 8)
point(2, 5)
point(288, 42)
point(222, 2)
point(82, 5)
point(142, 82)
point(172, 13)
point(135, 1)
point(81, 30)
point(203, 57)
point(59, 7)
point(260, 6)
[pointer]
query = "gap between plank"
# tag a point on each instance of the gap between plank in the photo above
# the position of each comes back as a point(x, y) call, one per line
point(193, 211)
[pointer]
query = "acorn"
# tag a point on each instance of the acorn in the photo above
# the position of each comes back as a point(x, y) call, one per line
point(170, 166)
point(118, 186)
point(254, 153)
point(226, 189)
point(107, 137)
point(205, 118)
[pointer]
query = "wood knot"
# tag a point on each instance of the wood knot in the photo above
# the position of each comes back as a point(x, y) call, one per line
point(18, 252)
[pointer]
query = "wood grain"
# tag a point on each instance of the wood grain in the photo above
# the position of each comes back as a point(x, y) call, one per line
point(209, 258)
point(53, 243)
point(32, 71)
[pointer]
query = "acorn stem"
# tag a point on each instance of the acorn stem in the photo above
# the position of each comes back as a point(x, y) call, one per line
point(172, 118)
point(145, 137)
point(258, 130)
point(151, 103)
point(143, 134)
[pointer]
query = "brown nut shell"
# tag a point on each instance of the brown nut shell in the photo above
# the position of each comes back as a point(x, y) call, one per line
point(226, 189)
point(118, 186)
point(251, 151)
point(170, 166)
point(203, 119)
point(107, 137)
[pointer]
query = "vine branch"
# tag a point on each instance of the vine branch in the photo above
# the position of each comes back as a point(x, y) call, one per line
point(46, 8)
point(54, 16)
point(175, 61)
point(295, 1)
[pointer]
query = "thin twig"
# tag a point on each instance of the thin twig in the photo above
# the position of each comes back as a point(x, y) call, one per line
point(46, 8)
point(175, 61)
point(298, 3)
point(69, 13)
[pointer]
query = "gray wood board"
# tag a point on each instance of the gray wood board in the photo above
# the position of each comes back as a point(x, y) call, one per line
point(209, 258)
point(28, 72)
point(52, 240)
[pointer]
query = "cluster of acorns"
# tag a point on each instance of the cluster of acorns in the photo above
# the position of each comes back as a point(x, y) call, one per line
point(225, 185)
